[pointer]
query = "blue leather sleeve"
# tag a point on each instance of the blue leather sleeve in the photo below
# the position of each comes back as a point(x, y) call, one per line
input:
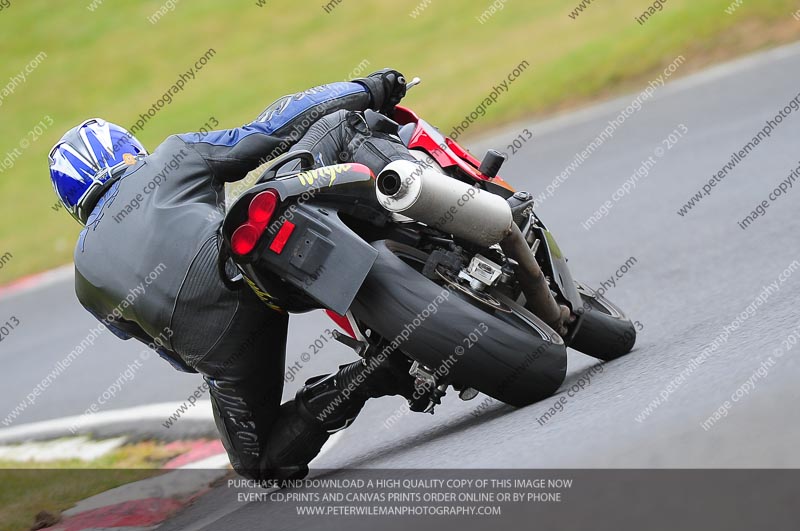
point(281, 113)
point(232, 153)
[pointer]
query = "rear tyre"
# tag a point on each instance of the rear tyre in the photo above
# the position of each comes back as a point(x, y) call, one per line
point(605, 332)
point(514, 357)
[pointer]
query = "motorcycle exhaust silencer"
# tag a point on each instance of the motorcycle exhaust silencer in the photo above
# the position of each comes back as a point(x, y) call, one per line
point(422, 192)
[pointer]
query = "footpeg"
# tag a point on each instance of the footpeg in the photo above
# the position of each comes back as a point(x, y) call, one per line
point(424, 378)
point(360, 347)
point(422, 375)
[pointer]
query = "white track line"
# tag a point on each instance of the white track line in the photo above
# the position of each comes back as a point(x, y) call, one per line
point(72, 448)
point(153, 412)
point(37, 281)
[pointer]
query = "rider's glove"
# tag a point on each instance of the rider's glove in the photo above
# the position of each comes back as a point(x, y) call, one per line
point(387, 87)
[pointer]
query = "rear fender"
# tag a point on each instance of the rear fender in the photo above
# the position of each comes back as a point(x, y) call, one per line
point(558, 265)
point(322, 259)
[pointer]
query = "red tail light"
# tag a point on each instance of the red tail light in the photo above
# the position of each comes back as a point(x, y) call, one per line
point(244, 239)
point(259, 214)
point(263, 206)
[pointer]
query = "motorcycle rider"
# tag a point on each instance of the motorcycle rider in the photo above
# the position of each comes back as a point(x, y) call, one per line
point(151, 212)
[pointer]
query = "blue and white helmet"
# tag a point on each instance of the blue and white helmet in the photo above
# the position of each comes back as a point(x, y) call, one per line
point(87, 160)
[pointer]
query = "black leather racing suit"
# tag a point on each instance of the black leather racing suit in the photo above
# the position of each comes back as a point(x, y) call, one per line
point(147, 262)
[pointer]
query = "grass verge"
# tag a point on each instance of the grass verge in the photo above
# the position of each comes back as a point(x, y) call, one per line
point(113, 61)
point(30, 488)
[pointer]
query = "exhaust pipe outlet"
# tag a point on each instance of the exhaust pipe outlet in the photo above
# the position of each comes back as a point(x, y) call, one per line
point(423, 193)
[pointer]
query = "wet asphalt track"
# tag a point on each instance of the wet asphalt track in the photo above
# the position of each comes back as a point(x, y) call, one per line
point(694, 275)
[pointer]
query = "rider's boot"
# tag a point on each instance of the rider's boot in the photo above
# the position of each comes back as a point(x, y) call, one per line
point(324, 405)
point(305, 424)
point(376, 377)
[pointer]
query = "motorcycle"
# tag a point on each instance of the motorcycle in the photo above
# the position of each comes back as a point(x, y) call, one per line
point(439, 259)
